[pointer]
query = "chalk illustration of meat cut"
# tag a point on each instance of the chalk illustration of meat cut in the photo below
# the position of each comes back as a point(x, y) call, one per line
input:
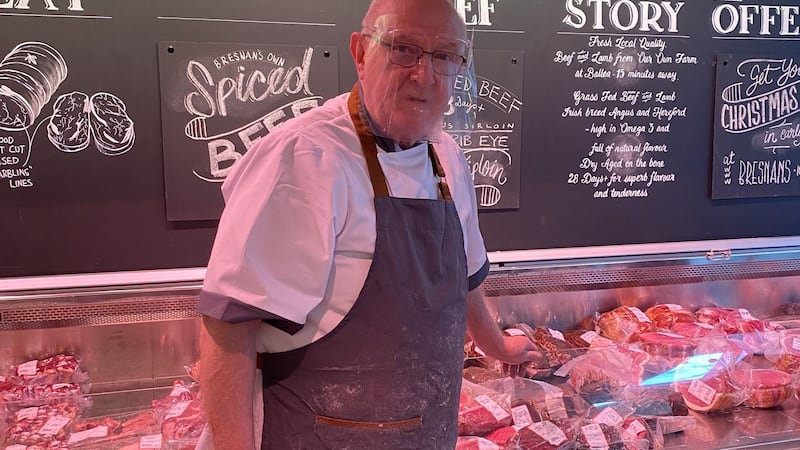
point(68, 128)
point(112, 128)
point(29, 76)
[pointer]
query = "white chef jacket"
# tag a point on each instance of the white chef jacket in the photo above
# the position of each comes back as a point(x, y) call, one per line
point(297, 235)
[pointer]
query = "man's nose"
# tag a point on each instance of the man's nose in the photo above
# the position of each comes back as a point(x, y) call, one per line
point(423, 70)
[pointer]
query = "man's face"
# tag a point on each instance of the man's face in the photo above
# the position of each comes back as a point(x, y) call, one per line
point(408, 71)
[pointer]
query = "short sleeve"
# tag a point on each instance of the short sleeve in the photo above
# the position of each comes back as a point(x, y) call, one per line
point(273, 253)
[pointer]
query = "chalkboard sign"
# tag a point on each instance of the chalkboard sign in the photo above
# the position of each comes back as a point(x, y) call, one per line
point(217, 100)
point(757, 127)
point(491, 136)
point(617, 139)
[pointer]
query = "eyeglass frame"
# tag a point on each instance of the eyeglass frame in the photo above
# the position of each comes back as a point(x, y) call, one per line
point(421, 52)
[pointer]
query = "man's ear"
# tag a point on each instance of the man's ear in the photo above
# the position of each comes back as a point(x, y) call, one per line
point(357, 51)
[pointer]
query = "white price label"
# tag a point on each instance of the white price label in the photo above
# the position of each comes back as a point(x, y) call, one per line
point(53, 425)
point(594, 436)
point(27, 413)
point(636, 427)
point(589, 336)
point(796, 344)
point(673, 307)
point(702, 391)
point(514, 332)
point(555, 407)
point(705, 325)
point(608, 416)
point(521, 416)
point(150, 441)
point(497, 411)
point(96, 432)
point(639, 314)
point(27, 368)
point(557, 334)
point(2, 379)
point(746, 314)
point(177, 409)
point(178, 390)
point(549, 432)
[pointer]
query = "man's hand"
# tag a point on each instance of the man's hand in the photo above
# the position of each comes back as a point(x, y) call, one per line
point(518, 352)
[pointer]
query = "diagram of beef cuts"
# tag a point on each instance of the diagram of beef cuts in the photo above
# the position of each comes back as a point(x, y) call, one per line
point(29, 76)
point(77, 117)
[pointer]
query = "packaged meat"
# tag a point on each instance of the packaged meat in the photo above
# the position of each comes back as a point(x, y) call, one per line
point(713, 392)
point(667, 345)
point(475, 443)
point(24, 395)
point(624, 324)
point(480, 375)
point(481, 410)
point(113, 431)
point(542, 400)
point(554, 345)
point(593, 435)
point(544, 435)
point(601, 371)
point(580, 338)
point(55, 369)
point(42, 425)
point(666, 315)
point(766, 388)
point(695, 329)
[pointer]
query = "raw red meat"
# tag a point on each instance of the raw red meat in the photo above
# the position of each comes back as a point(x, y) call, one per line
point(666, 345)
point(694, 329)
point(480, 414)
point(767, 388)
point(668, 314)
point(624, 324)
point(715, 392)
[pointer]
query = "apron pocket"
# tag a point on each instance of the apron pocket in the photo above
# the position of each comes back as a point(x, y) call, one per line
point(350, 434)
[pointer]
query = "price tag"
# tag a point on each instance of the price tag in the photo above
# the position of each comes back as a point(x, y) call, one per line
point(639, 314)
point(2, 379)
point(498, 412)
point(27, 368)
point(549, 432)
point(96, 432)
point(796, 344)
point(53, 425)
point(514, 332)
point(705, 325)
point(27, 413)
point(177, 409)
point(673, 307)
point(702, 391)
point(589, 336)
point(557, 334)
point(521, 416)
point(178, 390)
point(608, 416)
point(746, 314)
point(594, 436)
point(555, 406)
point(150, 441)
point(636, 427)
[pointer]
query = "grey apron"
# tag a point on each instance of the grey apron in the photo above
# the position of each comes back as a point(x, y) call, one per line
point(389, 375)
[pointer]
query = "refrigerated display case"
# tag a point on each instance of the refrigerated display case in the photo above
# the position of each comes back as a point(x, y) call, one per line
point(135, 337)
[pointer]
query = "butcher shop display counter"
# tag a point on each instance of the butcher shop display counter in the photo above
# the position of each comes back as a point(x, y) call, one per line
point(694, 350)
point(682, 349)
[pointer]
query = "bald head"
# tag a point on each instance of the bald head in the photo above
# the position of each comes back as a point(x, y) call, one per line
point(439, 15)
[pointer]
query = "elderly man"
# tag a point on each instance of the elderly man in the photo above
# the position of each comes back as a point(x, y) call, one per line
point(349, 259)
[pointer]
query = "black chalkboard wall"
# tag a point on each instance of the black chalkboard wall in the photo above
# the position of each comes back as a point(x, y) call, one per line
point(619, 137)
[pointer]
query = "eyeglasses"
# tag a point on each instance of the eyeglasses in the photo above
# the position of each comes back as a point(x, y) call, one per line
point(406, 54)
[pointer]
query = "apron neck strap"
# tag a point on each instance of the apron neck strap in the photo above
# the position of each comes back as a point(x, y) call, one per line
point(376, 175)
point(370, 150)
